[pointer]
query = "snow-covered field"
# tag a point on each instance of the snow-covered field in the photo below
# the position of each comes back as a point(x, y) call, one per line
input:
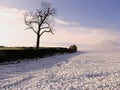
point(77, 71)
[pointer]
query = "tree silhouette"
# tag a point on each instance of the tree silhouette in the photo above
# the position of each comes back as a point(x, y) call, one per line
point(40, 20)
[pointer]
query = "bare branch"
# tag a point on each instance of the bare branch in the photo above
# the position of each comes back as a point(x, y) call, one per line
point(28, 23)
point(44, 28)
point(50, 30)
point(33, 22)
point(31, 28)
point(48, 26)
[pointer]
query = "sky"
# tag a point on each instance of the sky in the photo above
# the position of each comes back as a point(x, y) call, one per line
point(86, 23)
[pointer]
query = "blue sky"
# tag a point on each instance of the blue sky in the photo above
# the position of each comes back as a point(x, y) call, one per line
point(89, 18)
point(91, 13)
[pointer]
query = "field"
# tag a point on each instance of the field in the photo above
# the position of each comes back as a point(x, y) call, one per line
point(75, 71)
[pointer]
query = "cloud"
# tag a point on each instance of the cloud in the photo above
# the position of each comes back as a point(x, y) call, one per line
point(61, 22)
point(12, 33)
point(12, 27)
point(88, 38)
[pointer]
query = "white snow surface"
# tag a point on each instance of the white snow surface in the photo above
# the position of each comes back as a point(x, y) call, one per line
point(76, 71)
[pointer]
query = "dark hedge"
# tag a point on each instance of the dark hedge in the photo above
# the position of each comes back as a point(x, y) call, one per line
point(27, 53)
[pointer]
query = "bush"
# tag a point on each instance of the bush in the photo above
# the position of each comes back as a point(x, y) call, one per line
point(73, 48)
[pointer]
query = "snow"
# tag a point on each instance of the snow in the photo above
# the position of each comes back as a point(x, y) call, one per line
point(76, 71)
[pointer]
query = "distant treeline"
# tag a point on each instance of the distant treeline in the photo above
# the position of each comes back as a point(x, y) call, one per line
point(17, 54)
point(2, 46)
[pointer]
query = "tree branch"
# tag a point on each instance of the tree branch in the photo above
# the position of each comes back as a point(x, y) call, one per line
point(29, 27)
point(44, 28)
point(50, 30)
point(28, 23)
point(46, 15)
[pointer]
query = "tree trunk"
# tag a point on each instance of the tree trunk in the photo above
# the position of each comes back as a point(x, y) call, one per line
point(38, 37)
point(38, 42)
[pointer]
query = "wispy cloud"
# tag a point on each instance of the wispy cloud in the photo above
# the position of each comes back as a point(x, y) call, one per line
point(61, 22)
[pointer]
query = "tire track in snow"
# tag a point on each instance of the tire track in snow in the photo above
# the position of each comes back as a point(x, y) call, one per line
point(16, 84)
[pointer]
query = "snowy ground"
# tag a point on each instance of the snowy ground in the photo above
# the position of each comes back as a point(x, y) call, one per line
point(77, 71)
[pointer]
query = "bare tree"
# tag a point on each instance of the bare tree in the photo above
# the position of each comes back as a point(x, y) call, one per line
point(40, 20)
